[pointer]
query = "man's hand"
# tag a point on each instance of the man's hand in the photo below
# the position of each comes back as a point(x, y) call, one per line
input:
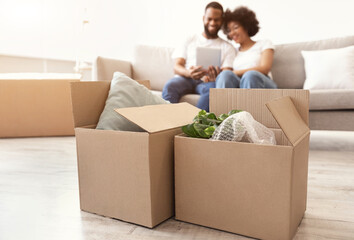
point(213, 72)
point(196, 72)
point(206, 79)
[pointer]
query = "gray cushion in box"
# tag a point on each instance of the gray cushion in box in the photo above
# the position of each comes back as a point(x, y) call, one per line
point(125, 92)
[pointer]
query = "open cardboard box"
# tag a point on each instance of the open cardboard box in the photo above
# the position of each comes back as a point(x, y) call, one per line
point(35, 108)
point(245, 188)
point(126, 175)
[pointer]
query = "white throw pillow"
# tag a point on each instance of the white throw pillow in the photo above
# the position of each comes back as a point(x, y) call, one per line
point(329, 69)
point(125, 92)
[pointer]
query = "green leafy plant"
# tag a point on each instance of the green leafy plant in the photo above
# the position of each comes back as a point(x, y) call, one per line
point(204, 124)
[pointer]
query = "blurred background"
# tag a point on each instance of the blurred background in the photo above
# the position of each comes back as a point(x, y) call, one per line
point(67, 31)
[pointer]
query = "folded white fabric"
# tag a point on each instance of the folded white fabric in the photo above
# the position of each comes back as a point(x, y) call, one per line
point(329, 69)
point(125, 92)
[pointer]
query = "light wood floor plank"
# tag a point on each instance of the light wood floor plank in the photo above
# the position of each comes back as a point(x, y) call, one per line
point(39, 196)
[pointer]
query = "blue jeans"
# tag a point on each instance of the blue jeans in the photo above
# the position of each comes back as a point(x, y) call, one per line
point(250, 79)
point(178, 86)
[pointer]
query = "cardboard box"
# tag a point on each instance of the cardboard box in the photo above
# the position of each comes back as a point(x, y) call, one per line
point(249, 189)
point(35, 107)
point(126, 175)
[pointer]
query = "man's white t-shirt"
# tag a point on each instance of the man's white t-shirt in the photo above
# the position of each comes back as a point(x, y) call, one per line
point(188, 50)
point(252, 57)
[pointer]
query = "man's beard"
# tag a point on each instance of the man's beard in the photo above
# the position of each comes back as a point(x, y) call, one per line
point(209, 34)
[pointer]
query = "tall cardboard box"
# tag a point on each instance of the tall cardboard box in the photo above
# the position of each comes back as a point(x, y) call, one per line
point(126, 175)
point(35, 107)
point(249, 189)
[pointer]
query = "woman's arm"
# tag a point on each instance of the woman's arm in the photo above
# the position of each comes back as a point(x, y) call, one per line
point(265, 65)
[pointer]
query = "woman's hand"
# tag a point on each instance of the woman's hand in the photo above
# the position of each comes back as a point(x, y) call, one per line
point(213, 72)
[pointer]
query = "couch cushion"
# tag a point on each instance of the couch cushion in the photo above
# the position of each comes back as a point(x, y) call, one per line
point(339, 120)
point(333, 99)
point(288, 69)
point(329, 69)
point(154, 64)
point(189, 98)
point(104, 68)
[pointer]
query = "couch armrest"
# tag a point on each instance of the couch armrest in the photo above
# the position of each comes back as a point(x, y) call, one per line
point(104, 68)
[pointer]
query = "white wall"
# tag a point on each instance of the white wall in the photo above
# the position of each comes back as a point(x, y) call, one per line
point(53, 29)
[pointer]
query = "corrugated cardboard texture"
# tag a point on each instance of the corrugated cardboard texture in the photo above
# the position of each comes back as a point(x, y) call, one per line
point(114, 174)
point(299, 183)
point(123, 175)
point(253, 101)
point(249, 189)
point(280, 138)
point(88, 101)
point(155, 118)
point(286, 115)
point(161, 155)
point(238, 187)
point(34, 108)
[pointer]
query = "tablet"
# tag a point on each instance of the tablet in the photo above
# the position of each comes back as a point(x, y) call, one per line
point(208, 57)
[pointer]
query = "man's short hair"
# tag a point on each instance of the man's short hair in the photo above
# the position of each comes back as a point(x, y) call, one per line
point(215, 5)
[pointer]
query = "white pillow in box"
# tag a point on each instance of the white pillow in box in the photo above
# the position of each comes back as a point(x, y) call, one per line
point(329, 69)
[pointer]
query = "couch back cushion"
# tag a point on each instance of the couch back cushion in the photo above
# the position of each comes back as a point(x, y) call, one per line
point(154, 64)
point(104, 68)
point(288, 67)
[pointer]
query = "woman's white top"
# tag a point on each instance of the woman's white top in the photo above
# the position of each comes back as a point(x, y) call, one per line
point(252, 57)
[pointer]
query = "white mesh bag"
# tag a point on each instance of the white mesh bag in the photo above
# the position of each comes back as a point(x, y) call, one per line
point(241, 127)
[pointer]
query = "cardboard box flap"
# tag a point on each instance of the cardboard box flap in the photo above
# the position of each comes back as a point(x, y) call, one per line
point(156, 118)
point(88, 100)
point(288, 118)
point(254, 101)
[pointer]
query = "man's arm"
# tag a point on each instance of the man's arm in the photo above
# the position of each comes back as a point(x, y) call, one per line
point(195, 72)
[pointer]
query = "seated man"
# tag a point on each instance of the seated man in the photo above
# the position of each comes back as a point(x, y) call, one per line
point(191, 78)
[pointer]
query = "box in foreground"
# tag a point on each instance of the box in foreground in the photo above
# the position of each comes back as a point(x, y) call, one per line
point(32, 107)
point(126, 175)
point(249, 189)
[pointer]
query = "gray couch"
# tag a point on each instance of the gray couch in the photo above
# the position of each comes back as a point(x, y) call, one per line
point(330, 109)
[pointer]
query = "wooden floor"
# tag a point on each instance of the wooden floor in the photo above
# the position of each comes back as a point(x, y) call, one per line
point(39, 196)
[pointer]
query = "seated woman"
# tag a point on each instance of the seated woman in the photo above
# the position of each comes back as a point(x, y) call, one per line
point(252, 64)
